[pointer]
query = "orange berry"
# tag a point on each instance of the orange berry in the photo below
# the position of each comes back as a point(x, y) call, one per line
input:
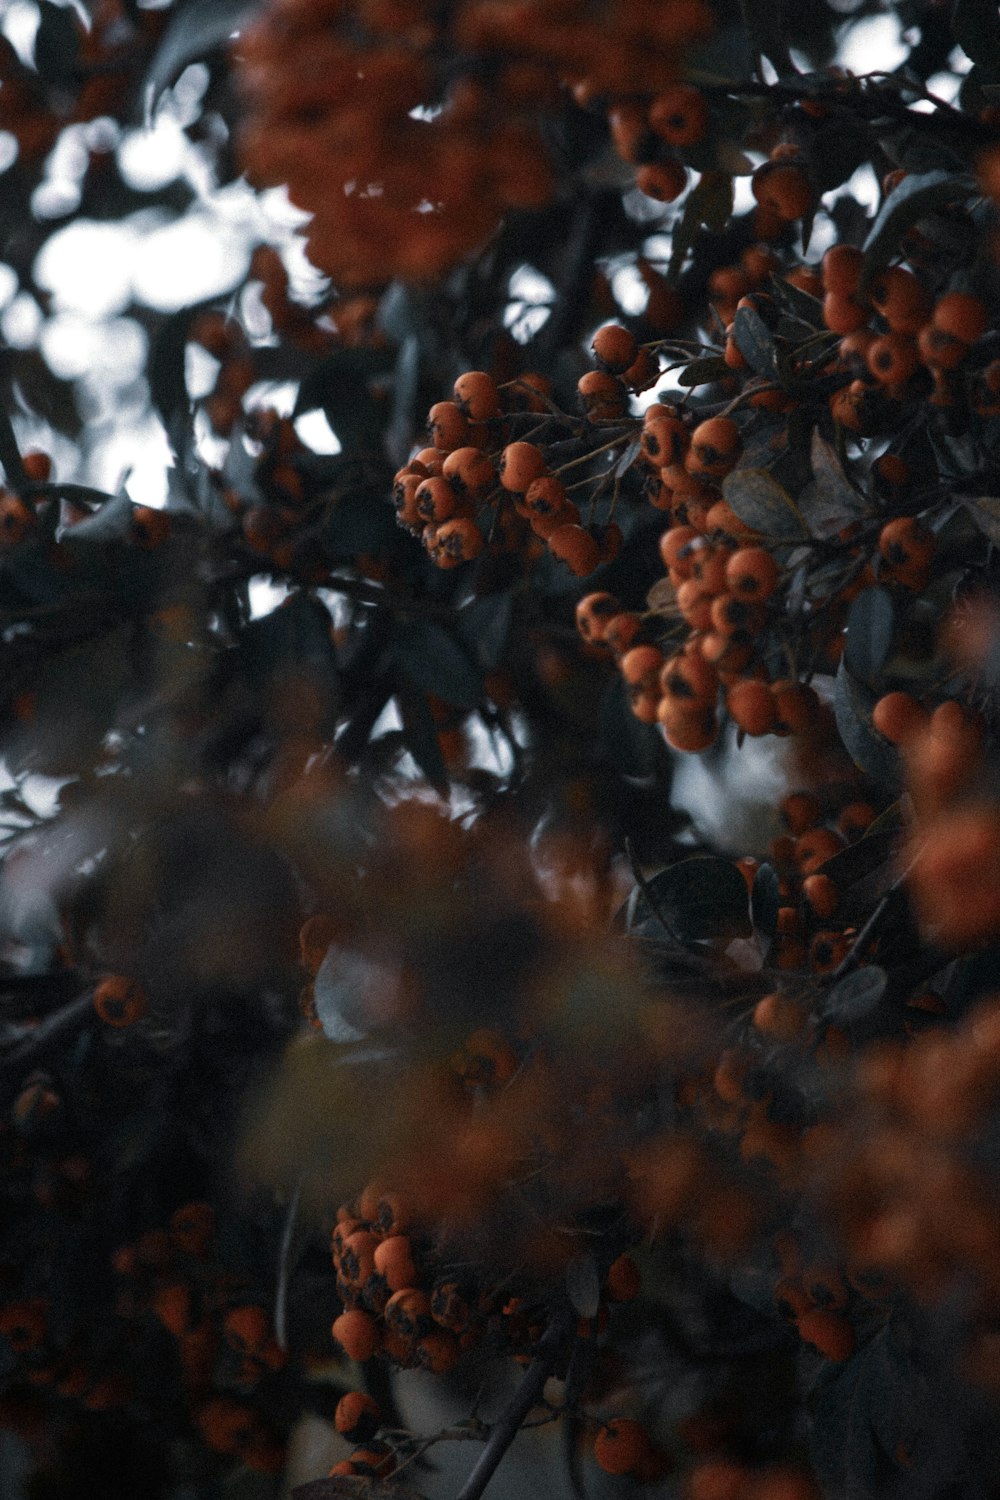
point(679, 115)
point(246, 1329)
point(901, 298)
point(393, 1260)
point(621, 1445)
point(715, 447)
point(575, 546)
point(614, 348)
point(829, 1332)
point(476, 396)
point(593, 613)
point(662, 180)
point(841, 269)
point(822, 895)
point(842, 314)
point(623, 1282)
point(898, 717)
point(752, 573)
point(750, 705)
point(961, 315)
point(783, 187)
point(357, 1334)
point(357, 1416)
point(120, 1001)
point(814, 847)
point(520, 463)
point(448, 426)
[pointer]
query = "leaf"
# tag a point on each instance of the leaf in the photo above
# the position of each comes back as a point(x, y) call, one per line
point(360, 520)
point(842, 1441)
point(800, 304)
point(703, 371)
point(871, 622)
point(484, 626)
point(195, 30)
point(343, 369)
point(853, 702)
point(625, 460)
point(583, 1284)
point(854, 998)
point(917, 195)
point(761, 502)
point(975, 25)
point(985, 511)
point(10, 453)
point(433, 660)
point(57, 43)
point(755, 341)
point(420, 735)
point(831, 502)
point(632, 747)
point(165, 371)
point(112, 522)
point(709, 204)
point(699, 899)
point(765, 899)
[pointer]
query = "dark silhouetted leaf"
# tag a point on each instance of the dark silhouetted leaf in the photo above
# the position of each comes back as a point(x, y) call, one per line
point(831, 502)
point(360, 520)
point(755, 341)
point(420, 736)
point(975, 25)
point(583, 1284)
point(871, 621)
point(709, 204)
point(919, 194)
point(843, 1447)
point(111, 523)
point(856, 996)
point(483, 627)
point(853, 703)
point(703, 371)
point(631, 746)
point(57, 43)
point(700, 898)
point(985, 511)
point(765, 899)
point(433, 660)
point(760, 501)
point(350, 368)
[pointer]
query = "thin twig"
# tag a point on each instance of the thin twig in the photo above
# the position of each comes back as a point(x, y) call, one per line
point(508, 1425)
point(48, 1035)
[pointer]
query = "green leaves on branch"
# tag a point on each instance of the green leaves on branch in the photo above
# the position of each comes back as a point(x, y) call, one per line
point(761, 502)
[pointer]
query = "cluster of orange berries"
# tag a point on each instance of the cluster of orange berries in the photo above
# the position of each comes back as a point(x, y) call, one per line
point(911, 1191)
point(471, 489)
point(916, 333)
point(408, 133)
point(224, 1343)
point(951, 855)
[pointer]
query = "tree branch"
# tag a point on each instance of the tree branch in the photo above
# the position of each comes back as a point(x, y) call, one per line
point(507, 1426)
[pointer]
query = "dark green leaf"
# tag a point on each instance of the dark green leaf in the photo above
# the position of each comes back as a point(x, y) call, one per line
point(420, 735)
point(985, 511)
point(755, 341)
point(484, 626)
point(843, 1447)
point(57, 42)
point(919, 194)
point(709, 204)
point(856, 996)
point(196, 29)
point(831, 502)
point(360, 520)
point(703, 371)
point(10, 453)
point(111, 523)
point(799, 303)
point(701, 898)
point(634, 748)
point(871, 622)
point(349, 369)
point(165, 368)
point(765, 899)
point(853, 703)
point(293, 642)
point(760, 501)
point(433, 660)
point(975, 25)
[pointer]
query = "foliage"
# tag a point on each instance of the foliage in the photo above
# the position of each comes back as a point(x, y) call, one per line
point(367, 1000)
